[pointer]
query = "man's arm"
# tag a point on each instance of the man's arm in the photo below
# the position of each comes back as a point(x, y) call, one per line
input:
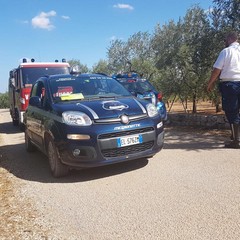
point(214, 76)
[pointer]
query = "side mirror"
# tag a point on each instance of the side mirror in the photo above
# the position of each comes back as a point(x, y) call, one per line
point(35, 101)
point(12, 81)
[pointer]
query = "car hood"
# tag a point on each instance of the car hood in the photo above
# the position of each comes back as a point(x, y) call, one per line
point(104, 109)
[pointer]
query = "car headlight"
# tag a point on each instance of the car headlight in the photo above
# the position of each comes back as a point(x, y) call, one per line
point(76, 119)
point(152, 110)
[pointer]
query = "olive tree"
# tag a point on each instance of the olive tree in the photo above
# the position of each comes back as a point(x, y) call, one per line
point(135, 54)
point(82, 68)
point(181, 53)
point(228, 12)
point(102, 67)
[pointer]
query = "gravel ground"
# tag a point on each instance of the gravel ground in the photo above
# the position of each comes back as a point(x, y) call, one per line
point(19, 218)
point(189, 191)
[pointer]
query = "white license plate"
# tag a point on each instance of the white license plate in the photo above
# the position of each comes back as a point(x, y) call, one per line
point(130, 140)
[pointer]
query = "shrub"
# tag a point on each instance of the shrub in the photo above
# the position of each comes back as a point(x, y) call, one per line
point(4, 100)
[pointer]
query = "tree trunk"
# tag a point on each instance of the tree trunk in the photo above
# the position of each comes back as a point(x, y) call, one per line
point(172, 103)
point(217, 105)
point(194, 109)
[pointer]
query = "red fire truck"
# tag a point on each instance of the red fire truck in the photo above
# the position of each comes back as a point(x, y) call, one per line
point(21, 80)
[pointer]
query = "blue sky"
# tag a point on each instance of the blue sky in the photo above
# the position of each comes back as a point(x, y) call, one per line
point(77, 29)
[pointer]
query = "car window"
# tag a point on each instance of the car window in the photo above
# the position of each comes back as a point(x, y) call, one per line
point(34, 90)
point(30, 75)
point(81, 87)
point(144, 86)
point(138, 86)
point(38, 90)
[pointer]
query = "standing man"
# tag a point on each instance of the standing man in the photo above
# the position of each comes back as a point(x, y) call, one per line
point(227, 67)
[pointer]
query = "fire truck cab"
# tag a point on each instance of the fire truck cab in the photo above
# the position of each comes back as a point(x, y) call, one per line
point(21, 80)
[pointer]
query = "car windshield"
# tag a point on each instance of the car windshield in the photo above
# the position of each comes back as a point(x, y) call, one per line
point(30, 75)
point(138, 86)
point(67, 88)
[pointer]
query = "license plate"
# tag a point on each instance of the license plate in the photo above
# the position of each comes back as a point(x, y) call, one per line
point(130, 140)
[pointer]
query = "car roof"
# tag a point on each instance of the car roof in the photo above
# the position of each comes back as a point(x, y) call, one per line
point(76, 75)
point(131, 80)
point(129, 77)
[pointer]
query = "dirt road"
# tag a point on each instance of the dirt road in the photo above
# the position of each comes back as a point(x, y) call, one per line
point(190, 190)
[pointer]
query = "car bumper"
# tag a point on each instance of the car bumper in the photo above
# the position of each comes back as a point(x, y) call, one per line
point(81, 154)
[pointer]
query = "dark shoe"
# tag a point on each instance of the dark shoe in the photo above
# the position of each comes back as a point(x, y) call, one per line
point(232, 144)
point(235, 137)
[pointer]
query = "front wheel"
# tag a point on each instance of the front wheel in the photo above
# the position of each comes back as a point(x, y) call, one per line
point(57, 168)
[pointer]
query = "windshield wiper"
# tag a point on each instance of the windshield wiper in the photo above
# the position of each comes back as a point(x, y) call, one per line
point(102, 97)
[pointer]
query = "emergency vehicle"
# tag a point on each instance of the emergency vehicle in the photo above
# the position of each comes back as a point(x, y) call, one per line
point(89, 120)
point(21, 80)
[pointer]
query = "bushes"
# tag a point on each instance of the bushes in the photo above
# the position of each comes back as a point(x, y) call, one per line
point(4, 100)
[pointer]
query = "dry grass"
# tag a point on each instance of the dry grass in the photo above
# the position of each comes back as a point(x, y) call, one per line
point(202, 108)
point(18, 218)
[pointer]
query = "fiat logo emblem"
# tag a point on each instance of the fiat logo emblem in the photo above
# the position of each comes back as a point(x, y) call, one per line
point(124, 119)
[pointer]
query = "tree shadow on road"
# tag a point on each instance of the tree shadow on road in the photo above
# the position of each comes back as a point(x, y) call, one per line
point(195, 139)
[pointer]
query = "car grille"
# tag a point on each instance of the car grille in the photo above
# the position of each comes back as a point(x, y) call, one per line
point(125, 133)
point(117, 152)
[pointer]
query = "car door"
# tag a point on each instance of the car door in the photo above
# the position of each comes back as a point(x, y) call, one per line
point(35, 114)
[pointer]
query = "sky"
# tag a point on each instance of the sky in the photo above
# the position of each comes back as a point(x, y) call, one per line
point(77, 29)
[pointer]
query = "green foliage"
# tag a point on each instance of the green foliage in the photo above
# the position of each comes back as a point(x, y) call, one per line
point(102, 67)
point(118, 56)
point(178, 57)
point(182, 55)
point(4, 100)
point(228, 14)
point(83, 68)
point(136, 54)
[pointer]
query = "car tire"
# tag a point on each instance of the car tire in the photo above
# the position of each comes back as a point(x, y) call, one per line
point(15, 117)
point(28, 143)
point(15, 122)
point(57, 168)
point(21, 127)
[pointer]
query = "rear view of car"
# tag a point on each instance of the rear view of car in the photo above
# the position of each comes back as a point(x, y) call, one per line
point(143, 89)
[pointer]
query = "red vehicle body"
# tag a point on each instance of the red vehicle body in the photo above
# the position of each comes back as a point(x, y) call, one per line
point(21, 80)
